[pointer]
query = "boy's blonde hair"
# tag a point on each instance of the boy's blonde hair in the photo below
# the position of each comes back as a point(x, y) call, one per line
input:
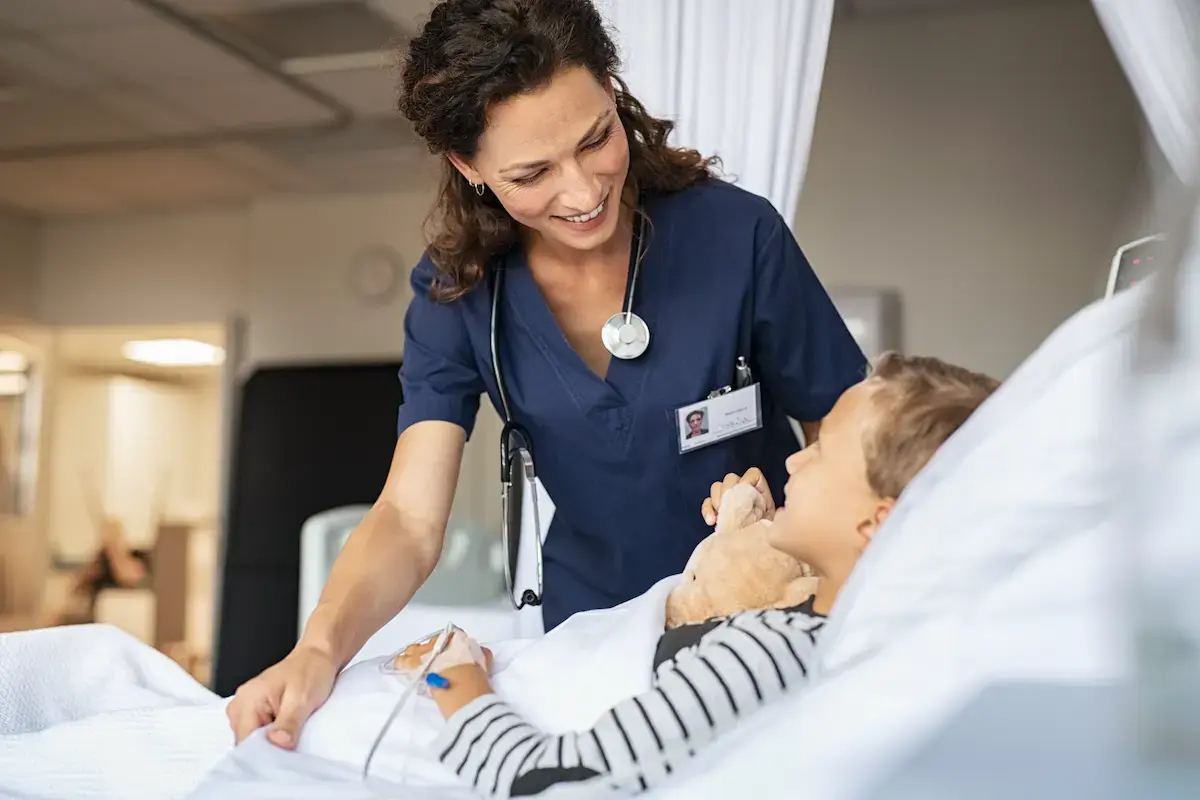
point(919, 402)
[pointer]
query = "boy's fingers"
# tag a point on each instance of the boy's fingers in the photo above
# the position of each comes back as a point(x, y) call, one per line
point(710, 515)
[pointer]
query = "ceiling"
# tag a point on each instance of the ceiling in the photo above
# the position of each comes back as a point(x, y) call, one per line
point(111, 105)
point(129, 105)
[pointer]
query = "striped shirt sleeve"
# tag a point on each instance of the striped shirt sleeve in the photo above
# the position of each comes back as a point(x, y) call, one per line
point(747, 661)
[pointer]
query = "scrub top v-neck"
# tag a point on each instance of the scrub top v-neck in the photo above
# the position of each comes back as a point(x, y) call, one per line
point(721, 274)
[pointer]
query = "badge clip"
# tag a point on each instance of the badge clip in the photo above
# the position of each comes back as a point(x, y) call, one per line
point(719, 392)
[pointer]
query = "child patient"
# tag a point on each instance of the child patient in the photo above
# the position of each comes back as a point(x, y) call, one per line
point(880, 433)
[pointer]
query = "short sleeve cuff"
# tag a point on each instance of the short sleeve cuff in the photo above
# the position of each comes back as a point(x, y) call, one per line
point(423, 406)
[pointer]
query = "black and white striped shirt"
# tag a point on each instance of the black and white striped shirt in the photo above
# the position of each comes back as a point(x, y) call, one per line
point(739, 664)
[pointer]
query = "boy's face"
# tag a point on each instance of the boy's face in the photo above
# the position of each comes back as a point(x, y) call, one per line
point(830, 512)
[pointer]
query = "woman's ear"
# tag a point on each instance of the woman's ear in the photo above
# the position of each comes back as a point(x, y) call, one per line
point(465, 169)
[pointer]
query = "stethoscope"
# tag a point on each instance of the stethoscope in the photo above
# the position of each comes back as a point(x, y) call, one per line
point(626, 336)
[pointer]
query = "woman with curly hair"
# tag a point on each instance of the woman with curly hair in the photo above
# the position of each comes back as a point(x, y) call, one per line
point(566, 228)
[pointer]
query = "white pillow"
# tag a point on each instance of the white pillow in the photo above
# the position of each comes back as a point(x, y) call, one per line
point(1028, 469)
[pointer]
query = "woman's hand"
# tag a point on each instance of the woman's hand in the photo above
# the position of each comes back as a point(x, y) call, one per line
point(754, 477)
point(285, 695)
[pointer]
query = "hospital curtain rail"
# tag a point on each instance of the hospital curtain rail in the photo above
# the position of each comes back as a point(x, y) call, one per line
point(307, 439)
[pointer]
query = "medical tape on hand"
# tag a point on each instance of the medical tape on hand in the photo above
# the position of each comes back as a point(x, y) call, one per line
point(439, 647)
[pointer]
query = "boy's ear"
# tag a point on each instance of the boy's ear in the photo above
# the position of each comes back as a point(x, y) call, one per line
point(868, 527)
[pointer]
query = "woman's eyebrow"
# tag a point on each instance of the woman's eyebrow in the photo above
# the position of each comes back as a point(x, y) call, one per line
point(532, 165)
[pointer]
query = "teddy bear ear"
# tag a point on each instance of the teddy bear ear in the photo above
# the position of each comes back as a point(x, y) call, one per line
point(742, 505)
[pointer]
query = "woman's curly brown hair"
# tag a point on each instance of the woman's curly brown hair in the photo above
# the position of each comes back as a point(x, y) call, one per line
point(472, 54)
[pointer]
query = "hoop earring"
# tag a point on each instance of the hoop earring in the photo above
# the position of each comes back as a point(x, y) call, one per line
point(479, 188)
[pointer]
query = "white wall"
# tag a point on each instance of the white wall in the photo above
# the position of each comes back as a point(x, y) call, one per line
point(143, 449)
point(281, 263)
point(154, 268)
point(76, 480)
point(978, 162)
point(20, 239)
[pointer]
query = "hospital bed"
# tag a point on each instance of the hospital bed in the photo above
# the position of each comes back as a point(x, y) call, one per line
point(467, 585)
point(995, 568)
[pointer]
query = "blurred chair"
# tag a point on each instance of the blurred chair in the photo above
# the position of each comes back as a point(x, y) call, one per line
point(466, 587)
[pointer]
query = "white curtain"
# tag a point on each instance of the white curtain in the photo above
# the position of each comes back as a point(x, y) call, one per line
point(1158, 413)
point(1158, 44)
point(741, 80)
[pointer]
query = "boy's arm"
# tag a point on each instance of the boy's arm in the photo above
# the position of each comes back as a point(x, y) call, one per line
point(736, 668)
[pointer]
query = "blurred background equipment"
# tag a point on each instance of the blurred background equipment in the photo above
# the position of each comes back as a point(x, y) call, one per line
point(308, 439)
point(1134, 263)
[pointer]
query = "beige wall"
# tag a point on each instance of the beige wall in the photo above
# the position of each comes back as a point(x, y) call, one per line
point(20, 239)
point(977, 162)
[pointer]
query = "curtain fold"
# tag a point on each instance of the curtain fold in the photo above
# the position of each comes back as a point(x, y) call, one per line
point(1158, 45)
point(1157, 413)
point(740, 80)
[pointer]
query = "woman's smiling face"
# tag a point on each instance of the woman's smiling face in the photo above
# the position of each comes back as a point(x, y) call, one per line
point(557, 159)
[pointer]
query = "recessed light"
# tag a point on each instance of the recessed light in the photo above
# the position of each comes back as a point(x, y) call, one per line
point(173, 353)
point(12, 362)
point(13, 384)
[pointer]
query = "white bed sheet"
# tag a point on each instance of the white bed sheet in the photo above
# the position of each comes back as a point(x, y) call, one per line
point(562, 681)
point(93, 713)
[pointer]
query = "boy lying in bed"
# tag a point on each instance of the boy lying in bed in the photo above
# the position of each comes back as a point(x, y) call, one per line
point(880, 433)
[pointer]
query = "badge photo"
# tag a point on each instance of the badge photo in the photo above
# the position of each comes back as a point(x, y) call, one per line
point(719, 417)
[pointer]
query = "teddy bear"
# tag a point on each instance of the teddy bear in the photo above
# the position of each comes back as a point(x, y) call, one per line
point(735, 568)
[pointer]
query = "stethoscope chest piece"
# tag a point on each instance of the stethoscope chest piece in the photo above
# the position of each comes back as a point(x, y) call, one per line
point(626, 335)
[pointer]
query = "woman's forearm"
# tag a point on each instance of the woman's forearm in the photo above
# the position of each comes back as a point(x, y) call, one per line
point(383, 563)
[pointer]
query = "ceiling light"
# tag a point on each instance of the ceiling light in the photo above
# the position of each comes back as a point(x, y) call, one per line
point(13, 384)
point(12, 362)
point(173, 353)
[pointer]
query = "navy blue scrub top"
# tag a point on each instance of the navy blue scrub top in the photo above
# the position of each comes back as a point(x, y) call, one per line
point(720, 265)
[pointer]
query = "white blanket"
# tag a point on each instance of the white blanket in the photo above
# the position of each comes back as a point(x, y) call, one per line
point(90, 712)
point(562, 681)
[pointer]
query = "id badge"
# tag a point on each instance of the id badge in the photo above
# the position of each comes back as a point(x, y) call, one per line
point(719, 417)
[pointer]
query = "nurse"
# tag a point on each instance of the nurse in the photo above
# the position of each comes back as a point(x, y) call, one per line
point(562, 200)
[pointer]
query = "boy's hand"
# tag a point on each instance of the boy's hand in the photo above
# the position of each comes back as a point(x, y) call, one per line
point(411, 658)
point(754, 477)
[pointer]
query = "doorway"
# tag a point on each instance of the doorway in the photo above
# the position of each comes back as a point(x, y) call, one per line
point(129, 483)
